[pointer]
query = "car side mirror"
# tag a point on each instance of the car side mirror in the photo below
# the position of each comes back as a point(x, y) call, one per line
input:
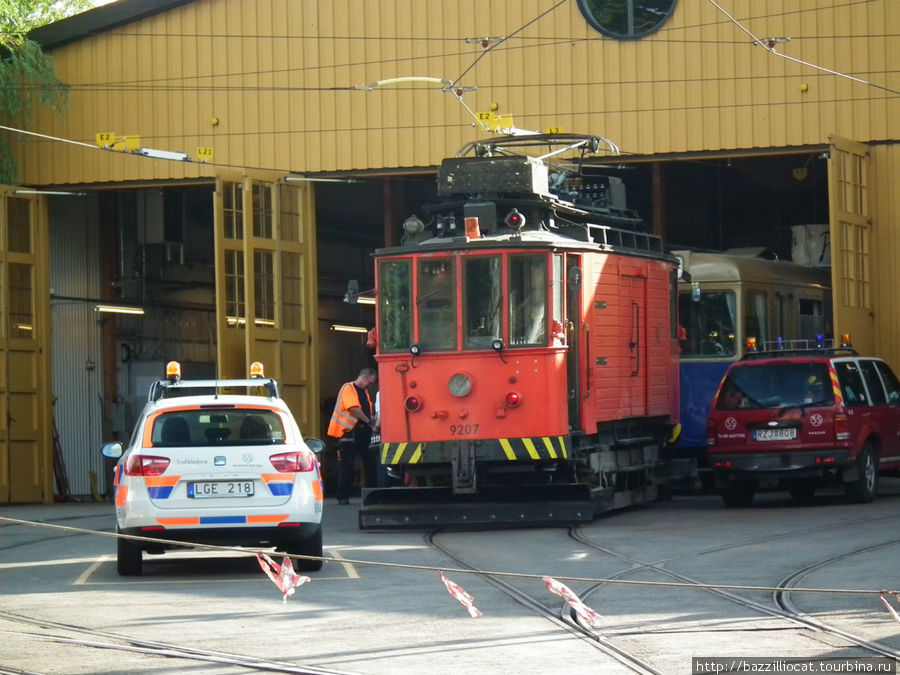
point(315, 445)
point(112, 450)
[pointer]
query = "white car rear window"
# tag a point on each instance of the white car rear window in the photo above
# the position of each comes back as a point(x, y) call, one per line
point(218, 427)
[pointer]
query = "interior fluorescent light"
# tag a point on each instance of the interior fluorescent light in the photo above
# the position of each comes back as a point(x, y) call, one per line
point(24, 326)
point(20, 191)
point(365, 300)
point(118, 309)
point(241, 321)
point(311, 179)
point(348, 329)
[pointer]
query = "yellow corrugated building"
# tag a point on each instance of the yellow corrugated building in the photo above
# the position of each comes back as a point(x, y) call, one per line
point(389, 87)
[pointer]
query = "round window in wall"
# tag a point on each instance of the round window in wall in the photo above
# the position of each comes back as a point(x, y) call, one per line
point(626, 19)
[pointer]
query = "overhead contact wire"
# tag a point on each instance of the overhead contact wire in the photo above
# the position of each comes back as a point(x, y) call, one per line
point(490, 48)
point(761, 43)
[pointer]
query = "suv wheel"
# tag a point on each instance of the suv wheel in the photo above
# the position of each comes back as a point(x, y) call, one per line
point(864, 489)
point(129, 558)
point(309, 546)
point(738, 494)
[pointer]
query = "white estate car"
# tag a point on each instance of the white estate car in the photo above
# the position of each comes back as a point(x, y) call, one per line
point(217, 462)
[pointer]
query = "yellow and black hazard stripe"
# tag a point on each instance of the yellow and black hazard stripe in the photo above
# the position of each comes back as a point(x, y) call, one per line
point(537, 448)
point(402, 453)
point(540, 447)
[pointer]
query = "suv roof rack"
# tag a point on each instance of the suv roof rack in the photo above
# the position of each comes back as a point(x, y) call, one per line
point(169, 389)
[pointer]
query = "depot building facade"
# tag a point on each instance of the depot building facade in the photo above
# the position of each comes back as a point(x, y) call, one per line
point(226, 167)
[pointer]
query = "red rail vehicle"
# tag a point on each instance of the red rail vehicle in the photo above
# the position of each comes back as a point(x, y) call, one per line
point(526, 345)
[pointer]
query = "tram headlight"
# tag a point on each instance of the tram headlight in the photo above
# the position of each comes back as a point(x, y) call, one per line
point(460, 385)
point(413, 226)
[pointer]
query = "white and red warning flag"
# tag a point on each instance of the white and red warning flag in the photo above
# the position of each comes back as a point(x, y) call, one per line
point(464, 598)
point(283, 575)
point(585, 613)
point(891, 609)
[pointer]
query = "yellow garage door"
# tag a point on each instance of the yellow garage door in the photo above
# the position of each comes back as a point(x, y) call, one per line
point(850, 225)
point(266, 291)
point(25, 440)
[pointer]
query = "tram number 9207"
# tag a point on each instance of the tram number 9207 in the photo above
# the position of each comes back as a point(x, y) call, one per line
point(463, 429)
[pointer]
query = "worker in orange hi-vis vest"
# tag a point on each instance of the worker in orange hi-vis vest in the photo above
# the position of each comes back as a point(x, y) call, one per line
point(352, 422)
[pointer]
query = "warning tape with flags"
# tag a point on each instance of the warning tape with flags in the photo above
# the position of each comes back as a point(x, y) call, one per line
point(893, 611)
point(585, 613)
point(283, 575)
point(464, 598)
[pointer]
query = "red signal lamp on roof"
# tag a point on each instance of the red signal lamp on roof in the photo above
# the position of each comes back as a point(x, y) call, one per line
point(515, 219)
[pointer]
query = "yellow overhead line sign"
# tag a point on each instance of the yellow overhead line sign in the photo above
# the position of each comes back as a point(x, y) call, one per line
point(110, 141)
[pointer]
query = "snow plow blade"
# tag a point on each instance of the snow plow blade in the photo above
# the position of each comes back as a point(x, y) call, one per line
point(524, 506)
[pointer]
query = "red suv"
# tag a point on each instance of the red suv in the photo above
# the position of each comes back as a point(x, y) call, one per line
point(799, 419)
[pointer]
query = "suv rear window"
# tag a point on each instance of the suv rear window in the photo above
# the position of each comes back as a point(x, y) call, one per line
point(776, 385)
point(231, 426)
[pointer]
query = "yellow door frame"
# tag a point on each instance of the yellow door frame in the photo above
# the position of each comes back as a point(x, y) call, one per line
point(851, 235)
point(26, 445)
point(266, 286)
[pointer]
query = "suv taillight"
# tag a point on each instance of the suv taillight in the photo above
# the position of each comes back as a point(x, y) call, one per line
point(710, 432)
point(292, 462)
point(841, 427)
point(145, 465)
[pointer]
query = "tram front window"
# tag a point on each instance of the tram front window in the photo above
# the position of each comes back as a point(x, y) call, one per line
point(709, 323)
point(394, 304)
point(436, 304)
point(527, 300)
point(482, 301)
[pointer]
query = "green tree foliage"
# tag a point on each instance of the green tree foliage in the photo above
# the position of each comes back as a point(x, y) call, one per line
point(26, 72)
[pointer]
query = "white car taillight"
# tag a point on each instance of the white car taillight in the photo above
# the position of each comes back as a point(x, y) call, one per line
point(145, 465)
point(293, 462)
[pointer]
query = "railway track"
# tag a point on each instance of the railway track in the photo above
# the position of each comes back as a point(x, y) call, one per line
point(644, 630)
point(783, 606)
point(563, 617)
point(79, 636)
point(783, 600)
point(106, 640)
